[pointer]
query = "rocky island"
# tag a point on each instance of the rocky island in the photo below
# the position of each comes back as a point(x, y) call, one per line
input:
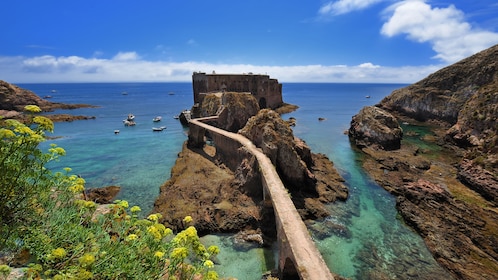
point(434, 145)
point(223, 193)
point(13, 99)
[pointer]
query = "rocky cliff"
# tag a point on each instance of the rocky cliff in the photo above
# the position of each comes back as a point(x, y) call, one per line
point(445, 172)
point(222, 199)
point(13, 99)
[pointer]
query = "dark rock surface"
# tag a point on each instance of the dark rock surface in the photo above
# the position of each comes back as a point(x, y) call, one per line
point(446, 181)
point(374, 126)
point(104, 195)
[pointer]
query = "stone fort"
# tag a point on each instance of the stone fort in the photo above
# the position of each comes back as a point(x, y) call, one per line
point(267, 91)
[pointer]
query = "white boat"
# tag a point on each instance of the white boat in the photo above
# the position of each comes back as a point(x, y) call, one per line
point(158, 128)
point(130, 117)
point(157, 119)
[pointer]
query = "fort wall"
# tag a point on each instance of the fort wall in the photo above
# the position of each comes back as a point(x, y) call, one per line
point(267, 91)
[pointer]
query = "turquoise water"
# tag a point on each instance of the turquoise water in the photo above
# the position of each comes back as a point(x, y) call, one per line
point(372, 240)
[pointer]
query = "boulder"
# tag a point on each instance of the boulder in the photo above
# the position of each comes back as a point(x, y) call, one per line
point(103, 195)
point(375, 126)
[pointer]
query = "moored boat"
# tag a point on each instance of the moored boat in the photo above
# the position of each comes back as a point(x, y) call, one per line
point(158, 128)
point(157, 119)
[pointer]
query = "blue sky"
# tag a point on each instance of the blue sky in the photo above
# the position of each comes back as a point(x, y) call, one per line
point(292, 41)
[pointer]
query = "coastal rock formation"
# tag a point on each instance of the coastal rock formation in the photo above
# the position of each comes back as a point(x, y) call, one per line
point(13, 99)
point(305, 174)
point(445, 180)
point(232, 108)
point(374, 126)
point(459, 239)
point(479, 179)
point(222, 199)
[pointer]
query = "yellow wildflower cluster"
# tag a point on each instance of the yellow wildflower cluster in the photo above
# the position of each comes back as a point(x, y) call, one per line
point(122, 203)
point(131, 237)
point(6, 133)
point(158, 231)
point(32, 109)
point(86, 260)
point(135, 209)
point(57, 254)
point(159, 254)
point(154, 217)
point(44, 123)
point(179, 253)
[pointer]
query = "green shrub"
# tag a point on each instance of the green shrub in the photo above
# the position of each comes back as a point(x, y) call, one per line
point(71, 238)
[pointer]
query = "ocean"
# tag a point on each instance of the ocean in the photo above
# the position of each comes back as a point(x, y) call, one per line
point(375, 242)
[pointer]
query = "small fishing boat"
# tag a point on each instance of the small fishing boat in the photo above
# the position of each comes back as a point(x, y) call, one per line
point(368, 96)
point(157, 119)
point(116, 131)
point(158, 128)
point(130, 117)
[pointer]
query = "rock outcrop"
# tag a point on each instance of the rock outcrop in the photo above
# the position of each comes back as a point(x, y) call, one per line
point(374, 126)
point(222, 199)
point(446, 181)
point(459, 240)
point(13, 99)
point(232, 108)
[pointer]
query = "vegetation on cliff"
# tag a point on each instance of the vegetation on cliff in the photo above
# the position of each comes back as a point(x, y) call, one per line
point(45, 219)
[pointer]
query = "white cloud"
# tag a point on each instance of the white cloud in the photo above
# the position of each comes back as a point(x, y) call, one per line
point(126, 56)
point(129, 67)
point(345, 6)
point(451, 37)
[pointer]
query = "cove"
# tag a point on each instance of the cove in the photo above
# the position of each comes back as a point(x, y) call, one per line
point(374, 242)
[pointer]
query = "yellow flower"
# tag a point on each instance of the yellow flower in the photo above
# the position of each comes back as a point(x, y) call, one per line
point(179, 253)
point(58, 253)
point(67, 169)
point(122, 203)
point(167, 232)
point(135, 209)
point(90, 204)
point(212, 275)
point(209, 264)
point(214, 250)
point(153, 217)
point(32, 108)
point(187, 219)
point(77, 188)
point(191, 232)
point(6, 133)
point(86, 260)
point(84, 274)
point(131, 237)
point(158, 254)
point(44, 123)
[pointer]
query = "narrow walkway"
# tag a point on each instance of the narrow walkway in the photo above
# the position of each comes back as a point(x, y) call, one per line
point(295, 242)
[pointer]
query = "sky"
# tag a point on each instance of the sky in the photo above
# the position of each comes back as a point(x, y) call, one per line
point(359, 41)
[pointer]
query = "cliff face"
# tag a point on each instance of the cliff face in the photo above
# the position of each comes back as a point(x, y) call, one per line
point(464, 98)
point(443, 94)
point(448, 192)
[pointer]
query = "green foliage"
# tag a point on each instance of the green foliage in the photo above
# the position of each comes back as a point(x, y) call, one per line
point(24, 180)
point(71, 238)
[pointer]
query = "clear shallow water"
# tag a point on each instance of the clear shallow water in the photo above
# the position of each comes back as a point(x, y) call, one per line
point(139, 160)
